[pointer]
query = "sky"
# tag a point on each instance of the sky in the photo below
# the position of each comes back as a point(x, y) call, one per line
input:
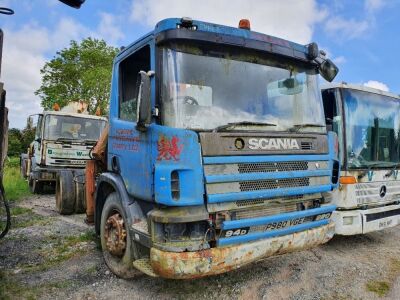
point(360, 36)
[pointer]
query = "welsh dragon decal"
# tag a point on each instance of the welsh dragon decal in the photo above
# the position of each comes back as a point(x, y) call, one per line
point(168, 149)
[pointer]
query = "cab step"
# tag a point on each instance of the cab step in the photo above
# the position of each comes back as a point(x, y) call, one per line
point(143, 265)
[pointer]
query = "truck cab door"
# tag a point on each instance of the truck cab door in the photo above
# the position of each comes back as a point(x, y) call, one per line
point(130, 149)
point(37, 142)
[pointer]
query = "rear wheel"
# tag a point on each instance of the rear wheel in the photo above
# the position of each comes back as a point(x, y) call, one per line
point(65, 193)
point(80, 201)
point(116, 243)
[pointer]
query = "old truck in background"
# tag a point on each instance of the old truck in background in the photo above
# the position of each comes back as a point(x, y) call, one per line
point(218, 156)
point(57, 156)
point(367, 122)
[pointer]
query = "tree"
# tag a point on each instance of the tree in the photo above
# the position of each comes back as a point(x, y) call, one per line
point(14, 142)
point(80, 72)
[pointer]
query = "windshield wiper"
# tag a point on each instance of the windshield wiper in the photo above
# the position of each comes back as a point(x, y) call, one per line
point(69, 140)
point(393, 170)
point(370, 166)
point(222, 127)
point(65, 139)
point(297, 127)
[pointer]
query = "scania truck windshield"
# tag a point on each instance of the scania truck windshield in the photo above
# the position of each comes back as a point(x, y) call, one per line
point(367, 122)
point(205, 91)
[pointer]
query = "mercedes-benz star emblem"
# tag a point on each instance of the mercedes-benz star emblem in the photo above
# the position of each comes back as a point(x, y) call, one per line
point(382, 191)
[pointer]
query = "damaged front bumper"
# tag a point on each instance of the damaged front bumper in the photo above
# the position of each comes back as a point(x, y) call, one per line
point(185, 265)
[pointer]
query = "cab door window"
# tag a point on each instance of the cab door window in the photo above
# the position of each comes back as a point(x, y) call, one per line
point(128, 73)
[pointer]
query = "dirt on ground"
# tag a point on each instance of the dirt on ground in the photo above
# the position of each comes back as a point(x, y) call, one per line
point(48, 256)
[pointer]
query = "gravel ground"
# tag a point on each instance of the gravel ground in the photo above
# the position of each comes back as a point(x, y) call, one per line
point(49, 256)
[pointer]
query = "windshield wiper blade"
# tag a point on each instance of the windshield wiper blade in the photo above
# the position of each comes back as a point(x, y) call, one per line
point(65, 139)
point(297, 127)
point(222, 127)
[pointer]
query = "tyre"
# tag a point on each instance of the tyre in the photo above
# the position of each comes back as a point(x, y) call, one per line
point(65, 193)
point(36, 186)
point(116, 243)
point(23, 167)
point(80, 198)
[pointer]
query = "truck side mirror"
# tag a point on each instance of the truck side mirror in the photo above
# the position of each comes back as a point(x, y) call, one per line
point(143, 101)
point(328, 70)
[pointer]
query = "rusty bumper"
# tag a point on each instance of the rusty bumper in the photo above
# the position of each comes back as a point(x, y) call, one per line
point(185, 265)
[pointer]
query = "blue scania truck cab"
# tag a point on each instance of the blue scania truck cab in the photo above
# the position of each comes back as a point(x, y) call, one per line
point(218, 153)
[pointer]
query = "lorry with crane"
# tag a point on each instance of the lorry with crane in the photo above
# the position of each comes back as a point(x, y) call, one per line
point(217, 152)
point(57, 156)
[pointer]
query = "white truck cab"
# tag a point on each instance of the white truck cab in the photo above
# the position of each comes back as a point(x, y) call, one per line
point(367, 122)
point(63, 140)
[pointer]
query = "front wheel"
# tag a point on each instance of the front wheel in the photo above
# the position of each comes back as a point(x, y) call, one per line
point(116, 243)
point(36, 186)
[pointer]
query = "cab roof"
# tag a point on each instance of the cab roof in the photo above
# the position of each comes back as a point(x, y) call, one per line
point(278, 45)
point(78, 115)
point(358, 87)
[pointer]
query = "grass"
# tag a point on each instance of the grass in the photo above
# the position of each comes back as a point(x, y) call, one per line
point(33, 220)
point(381, 288)
point(58, 249)
point(17, 210)
point(15, 186)
point(12, 289)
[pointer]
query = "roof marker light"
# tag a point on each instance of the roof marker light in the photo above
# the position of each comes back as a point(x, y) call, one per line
point(244, 24)
point(56, 107)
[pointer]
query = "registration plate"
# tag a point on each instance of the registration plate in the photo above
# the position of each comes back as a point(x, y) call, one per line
point(298, 221)
point(386, 223)
point(275, 225)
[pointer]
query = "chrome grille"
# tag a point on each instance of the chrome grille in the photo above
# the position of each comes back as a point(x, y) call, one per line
point(255, 185)
point(273, 167)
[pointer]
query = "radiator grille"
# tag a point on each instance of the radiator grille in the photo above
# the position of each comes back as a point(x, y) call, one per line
point(273, 167)
point(264, 211)
point(252, 202)
point(255, 185)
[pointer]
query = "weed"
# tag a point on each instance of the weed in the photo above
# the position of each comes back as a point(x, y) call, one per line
point(57, 249)
point(12, 289)
point(91, 270)
point(381, 288)
point(15, 211)
point(15, 186)
point(34, 220)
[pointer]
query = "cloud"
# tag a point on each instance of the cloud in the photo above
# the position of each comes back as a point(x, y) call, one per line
point(22, 60)
point(377, 85)
point(346, 28)
point(291, 19)
point(108, 29)
point(373, 5)
point(339, 60)
point(26, 50)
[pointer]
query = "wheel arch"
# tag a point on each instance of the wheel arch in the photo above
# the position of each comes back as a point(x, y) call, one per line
point(108, 183)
